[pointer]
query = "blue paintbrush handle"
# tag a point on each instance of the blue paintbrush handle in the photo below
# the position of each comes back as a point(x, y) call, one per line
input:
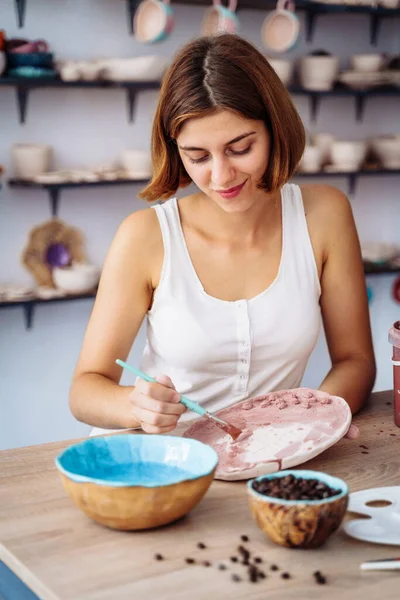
point(185, 401)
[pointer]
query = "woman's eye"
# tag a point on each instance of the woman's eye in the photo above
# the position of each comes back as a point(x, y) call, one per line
point(240, 152)
point(197, 160)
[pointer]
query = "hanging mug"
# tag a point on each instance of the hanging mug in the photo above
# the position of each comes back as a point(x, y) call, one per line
point(153, 21)
point(220, 19)
point(280, 29)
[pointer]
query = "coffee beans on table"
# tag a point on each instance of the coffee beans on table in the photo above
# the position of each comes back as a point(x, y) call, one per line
point(294, 488)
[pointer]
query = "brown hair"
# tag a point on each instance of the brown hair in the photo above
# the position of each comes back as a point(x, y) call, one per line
point(224, 72)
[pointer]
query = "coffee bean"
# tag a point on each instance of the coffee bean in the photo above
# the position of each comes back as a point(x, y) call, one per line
point(234, 558)
point(201, 545)
point(364, 452)
point(190, 561)
point(319, 578)
point(253, 573)
point(294, 488)
point(258, 559)
point(158, 557)
point(244, 538)
point(274, 568)
point(364, 447)
point(285, 575)
point(206, 563)
point(222, 567)
point(261, 574)
point(244, 552)
point(236, 577)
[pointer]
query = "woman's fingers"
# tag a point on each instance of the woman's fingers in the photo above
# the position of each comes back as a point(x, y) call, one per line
point(353, 432)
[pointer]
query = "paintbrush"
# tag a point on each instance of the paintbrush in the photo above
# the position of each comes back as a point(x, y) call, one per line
point(233, 431)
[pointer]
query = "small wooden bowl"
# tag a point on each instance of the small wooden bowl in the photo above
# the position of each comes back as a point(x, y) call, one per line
point(299, 523)
point(132, 482)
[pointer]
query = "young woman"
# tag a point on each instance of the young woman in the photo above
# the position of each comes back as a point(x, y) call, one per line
point(233, 279)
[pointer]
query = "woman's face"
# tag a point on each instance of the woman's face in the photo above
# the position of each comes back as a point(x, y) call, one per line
point(226, 156)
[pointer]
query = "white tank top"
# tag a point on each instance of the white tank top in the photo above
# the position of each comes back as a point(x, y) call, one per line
point(219, 352)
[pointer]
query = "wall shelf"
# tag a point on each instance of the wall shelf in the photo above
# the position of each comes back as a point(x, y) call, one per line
point(311, 9)
point(360, 97)
point(30, 304)
point(352, 177)
point(54, 189)
point(23, 86)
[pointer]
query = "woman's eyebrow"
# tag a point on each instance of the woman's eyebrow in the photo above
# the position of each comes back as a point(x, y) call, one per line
point(236, 139)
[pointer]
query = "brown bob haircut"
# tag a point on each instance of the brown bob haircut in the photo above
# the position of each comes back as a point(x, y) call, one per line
point(223, 72)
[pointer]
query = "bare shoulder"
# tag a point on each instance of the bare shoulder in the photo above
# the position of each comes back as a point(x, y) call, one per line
point(138, 245)
point(325, 201)
point(141, 226)
point(329, 219)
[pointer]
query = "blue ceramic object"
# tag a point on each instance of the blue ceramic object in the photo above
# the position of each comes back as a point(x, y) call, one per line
point(31, 72)
point(333, 482)
point(137, 460)
point(43, 60)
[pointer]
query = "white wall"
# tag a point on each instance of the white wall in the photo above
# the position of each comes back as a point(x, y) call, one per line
point(86, 127)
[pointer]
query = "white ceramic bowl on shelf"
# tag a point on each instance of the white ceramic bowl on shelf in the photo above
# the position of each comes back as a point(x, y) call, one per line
point(318, 73)
point(283, 68)
point(367, 63)
point(139, 68)
point(30, 160)
point(348, 155)
point(136, 162)
point(77, 279)
point(387, 150)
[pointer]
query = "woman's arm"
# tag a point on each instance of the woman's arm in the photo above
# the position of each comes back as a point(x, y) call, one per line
point(344, 304)
point(124, 296)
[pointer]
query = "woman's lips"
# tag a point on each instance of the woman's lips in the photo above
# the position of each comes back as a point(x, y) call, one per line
point(232, 192)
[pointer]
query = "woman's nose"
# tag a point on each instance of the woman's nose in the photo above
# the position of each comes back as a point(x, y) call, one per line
point(222, 173)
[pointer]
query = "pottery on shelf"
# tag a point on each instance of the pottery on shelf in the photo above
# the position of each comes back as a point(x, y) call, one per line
point(323, 141)
point(30, 160)
point(77, 278)
point(367, 63)
point(136, 163)
point(318, 71)
point(283, 68)
point(348, 156)
point(387, 151)
point(311, 160)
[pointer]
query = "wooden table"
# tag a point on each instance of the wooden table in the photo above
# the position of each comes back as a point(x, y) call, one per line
point(60, 554)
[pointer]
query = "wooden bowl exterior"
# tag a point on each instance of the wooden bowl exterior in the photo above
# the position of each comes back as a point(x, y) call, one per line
point(299, 525)
point(137, 507)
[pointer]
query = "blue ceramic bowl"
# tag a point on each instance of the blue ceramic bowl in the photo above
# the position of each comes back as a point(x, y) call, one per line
point(133, 481)
point(30, 59)
point(299, 523)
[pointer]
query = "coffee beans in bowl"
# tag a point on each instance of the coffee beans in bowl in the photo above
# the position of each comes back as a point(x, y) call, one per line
point(298, 508)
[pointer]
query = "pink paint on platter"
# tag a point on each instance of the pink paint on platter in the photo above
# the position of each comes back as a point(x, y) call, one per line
point(280, 430)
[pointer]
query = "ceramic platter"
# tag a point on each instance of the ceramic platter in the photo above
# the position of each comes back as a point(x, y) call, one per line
point(280, 430)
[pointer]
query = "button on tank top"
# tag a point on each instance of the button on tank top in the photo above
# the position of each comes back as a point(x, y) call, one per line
point(218, 352)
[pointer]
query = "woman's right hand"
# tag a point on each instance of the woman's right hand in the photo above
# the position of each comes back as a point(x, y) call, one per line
point(156, 406)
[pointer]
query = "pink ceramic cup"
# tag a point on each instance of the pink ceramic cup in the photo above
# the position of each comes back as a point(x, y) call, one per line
point(280, 29)
point(36, 46)
point(220, 19)
point(153, 21)
point(394, 339)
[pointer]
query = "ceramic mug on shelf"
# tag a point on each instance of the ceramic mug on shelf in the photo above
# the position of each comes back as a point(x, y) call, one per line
point(153, 21)
point(280, 29)
point(220, 19)
point(30, 160)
